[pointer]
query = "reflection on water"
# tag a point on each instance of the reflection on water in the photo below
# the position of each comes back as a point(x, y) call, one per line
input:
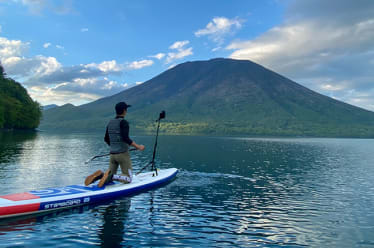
point(11, 143)
point(112, 231)
point(16, 136)
point(231, 192)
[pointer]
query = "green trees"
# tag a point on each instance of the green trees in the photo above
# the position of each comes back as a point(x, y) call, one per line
point(17, 109)
point(2, 73)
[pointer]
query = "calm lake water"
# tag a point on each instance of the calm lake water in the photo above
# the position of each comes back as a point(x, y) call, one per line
point(230, 192)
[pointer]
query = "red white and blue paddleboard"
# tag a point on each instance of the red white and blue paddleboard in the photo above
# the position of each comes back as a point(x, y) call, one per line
point(39, 201)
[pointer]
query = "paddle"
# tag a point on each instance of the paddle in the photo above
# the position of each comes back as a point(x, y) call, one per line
point(162, 116)
point(104, 155)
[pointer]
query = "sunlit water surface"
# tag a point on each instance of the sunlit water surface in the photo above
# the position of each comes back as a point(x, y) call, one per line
point(230, 192)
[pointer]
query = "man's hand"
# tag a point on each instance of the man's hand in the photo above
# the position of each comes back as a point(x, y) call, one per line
point(138, 147)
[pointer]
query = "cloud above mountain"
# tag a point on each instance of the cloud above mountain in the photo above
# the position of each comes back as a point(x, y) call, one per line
point(135, 65)
point(219, 28)
point(180, 50)
point(325, 45)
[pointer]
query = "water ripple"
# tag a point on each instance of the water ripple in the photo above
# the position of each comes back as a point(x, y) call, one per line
point(251, 193)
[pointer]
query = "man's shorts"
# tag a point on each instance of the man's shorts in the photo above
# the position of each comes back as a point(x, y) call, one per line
point(123, 160)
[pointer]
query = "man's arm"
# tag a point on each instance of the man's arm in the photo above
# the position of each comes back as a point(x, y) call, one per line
point(125, 129)
point(106, 138)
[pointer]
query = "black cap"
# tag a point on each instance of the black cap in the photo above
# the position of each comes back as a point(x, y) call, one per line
point(120, 107)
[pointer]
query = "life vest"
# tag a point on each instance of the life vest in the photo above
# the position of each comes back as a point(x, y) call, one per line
point(117, 144)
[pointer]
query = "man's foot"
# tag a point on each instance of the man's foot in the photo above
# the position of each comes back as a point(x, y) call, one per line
point(105, 179)
point(93, 177)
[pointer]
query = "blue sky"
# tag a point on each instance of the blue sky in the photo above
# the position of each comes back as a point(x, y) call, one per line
point(78, 51)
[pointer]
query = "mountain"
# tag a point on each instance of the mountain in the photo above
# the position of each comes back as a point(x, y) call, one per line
point(222, 96)
point(50, 106)
point(17, 109)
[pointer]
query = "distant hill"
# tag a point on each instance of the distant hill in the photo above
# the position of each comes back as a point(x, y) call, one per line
point(222, 96)
point(50, 106)
point(17, 109)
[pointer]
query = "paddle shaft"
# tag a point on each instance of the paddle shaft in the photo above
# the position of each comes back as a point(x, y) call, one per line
point(104, 155)
point(155, 147)
point(154, 152)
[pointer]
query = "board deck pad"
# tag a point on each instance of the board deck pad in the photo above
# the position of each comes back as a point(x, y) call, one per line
point(20, 196)
point(37, 201)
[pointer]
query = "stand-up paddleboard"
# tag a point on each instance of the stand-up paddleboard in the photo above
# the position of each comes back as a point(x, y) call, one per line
point(39, 201)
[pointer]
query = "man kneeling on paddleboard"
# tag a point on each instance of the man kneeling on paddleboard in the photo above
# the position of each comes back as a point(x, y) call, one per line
point(117, 137)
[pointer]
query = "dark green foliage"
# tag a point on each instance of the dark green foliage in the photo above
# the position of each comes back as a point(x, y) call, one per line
point(17, 109)
point(223, 96)
point(2, 73)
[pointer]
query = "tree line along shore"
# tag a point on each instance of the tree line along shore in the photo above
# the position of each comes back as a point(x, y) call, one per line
point(17, 109)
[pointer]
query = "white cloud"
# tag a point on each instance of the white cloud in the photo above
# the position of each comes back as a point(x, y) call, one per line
point(172, 66)
point(78, 91)
point(70, 73)
point(216, 49)
point(11, 48)
point(135, 65)
point(138, 83)
point(11, 55)
point(179, 44)
point(331, 87)
point(179, 55)
point(106, 66)
point(60, 47)
point(0, 28)
point(31, 68)
point(181, 51)
point(219, 27)
point(47, 66)
point(84, 30)
point(11, 61)
point(113, 84)
point(48, 81)
point(96, 86)
point(295, 44)
point(158, 56)
point(315, 42)
point(46, 95)
point(46, 45)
